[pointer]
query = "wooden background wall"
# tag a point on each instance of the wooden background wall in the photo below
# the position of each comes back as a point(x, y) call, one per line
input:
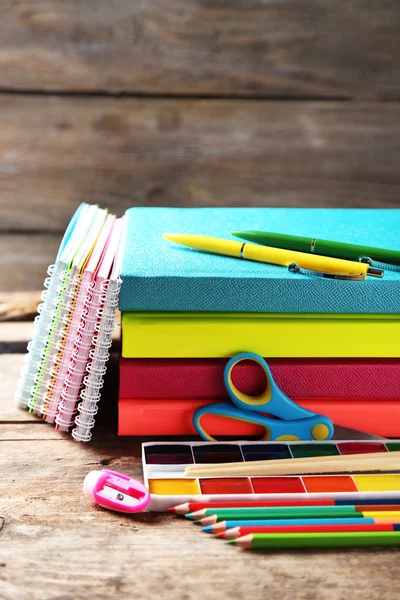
point(190, 103)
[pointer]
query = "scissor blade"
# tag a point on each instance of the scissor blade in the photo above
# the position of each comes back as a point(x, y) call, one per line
point(346, 433)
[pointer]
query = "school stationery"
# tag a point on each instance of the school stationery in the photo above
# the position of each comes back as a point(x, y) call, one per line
point(168, 417)
point(100, 344)
point(307, 378)
point(294, 261)
point(272, 541)
point(116, 491)
point(49, 321)
point(211, 516)
point(164, 467)
point(293, 421)
point(217, 335)
point(190, 507)
point(318, 246)
point(352, 463)
point(271, 524)
point(158, 276)
point(144, 417)
point(52, 408)
point(66, 358)
point(235, 532)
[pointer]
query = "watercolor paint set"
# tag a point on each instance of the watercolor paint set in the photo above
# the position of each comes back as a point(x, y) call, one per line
point(164, 466)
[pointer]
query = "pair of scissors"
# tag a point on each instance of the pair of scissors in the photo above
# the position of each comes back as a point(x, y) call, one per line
point(293, 422)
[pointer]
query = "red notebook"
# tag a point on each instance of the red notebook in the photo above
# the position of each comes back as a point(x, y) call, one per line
point(298, 378)
point(166, 417)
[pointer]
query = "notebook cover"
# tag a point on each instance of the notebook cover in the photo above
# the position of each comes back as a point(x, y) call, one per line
point(313, 378)
point(217, 335)
point(174, 417)
point(158, 275)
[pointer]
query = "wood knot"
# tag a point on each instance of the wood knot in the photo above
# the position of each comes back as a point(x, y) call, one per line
point(111, 123)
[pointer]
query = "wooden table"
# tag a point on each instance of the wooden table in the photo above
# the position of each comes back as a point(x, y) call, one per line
point(55, 544)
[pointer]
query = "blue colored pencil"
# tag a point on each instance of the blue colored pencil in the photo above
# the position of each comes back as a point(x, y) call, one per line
point(223, 525)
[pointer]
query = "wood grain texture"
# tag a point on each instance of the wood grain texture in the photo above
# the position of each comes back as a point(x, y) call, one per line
point(230, 47)
point(24, 259)
point(57, 545)
point(58, 152)
point(19, 306)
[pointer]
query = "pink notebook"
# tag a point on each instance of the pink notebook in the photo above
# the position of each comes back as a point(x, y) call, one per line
point(84, 329)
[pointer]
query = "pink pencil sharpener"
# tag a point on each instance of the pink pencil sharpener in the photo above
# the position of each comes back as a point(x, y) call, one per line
point(116, 491)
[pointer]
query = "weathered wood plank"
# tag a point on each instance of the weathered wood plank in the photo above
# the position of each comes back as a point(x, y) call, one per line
point(56, 544)
point(10, 369)
point(24, 259)
point(14, 337)
point(44, 508)
point(50, 531)
point(232, 47)
point(57, 152)
point(20, 306)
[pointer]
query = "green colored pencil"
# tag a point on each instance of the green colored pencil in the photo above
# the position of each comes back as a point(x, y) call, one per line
point(359, 539)
point(275, 512)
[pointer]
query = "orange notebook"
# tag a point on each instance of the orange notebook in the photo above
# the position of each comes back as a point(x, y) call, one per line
point(144, 417)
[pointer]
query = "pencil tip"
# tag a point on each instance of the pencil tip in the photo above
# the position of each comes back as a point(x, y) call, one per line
point(232, 542)
point(207, 529)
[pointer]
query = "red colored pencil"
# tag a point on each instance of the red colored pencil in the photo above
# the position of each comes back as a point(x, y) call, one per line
point(235, 532)
point(189, 507)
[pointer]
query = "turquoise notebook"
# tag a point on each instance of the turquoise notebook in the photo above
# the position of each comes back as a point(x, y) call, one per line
point(160, 276)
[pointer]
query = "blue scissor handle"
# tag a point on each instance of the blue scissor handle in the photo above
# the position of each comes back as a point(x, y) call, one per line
point(316, 427)
point(272, 400)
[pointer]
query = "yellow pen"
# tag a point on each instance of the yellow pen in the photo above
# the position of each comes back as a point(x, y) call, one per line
point(327, 266)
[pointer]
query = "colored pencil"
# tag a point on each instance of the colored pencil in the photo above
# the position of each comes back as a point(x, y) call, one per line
point(358, 539)
point(347, 463)
point(313, 509)
point(284, 512)
point(224, 525)
point(190, 507)
point(235, 532)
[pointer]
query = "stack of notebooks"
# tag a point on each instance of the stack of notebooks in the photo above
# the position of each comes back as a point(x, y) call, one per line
point(66, 361)
point(332, 345)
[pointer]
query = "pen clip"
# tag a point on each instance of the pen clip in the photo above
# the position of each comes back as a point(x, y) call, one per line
point(379, 265)
point(294, 268)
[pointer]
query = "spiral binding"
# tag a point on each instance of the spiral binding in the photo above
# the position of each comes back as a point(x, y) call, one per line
point(99, 353)
point(75, 306)
point(24, 394)
point(39, 397)
point(79, 357)
point(67, 354)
